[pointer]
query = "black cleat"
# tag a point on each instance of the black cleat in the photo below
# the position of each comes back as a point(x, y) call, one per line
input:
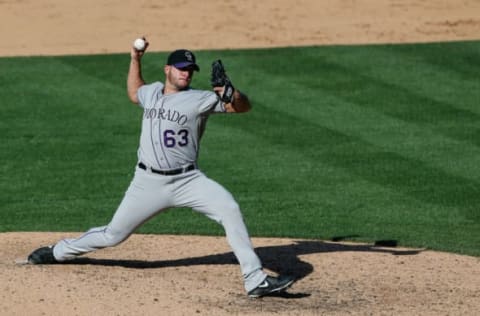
point(42, 255)
point(271, 285)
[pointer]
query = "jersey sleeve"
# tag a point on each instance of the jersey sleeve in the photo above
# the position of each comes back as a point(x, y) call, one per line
point(210, 102)
point(148, 94)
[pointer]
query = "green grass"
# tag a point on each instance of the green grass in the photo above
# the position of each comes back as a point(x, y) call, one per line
point(365, 143)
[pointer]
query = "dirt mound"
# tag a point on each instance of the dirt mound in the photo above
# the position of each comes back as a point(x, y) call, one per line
point(188, 275)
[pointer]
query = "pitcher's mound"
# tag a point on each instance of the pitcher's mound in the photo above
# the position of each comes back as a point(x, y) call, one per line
point(189, 275)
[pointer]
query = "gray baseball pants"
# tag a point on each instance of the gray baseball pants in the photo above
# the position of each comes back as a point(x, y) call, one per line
point(149, 194)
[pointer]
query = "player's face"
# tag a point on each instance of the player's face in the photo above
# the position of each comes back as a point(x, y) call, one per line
point(179, 78)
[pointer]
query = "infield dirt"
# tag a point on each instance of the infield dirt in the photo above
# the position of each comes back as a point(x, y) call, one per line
point(191, 275)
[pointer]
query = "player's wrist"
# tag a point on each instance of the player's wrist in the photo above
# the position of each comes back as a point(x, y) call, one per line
point(135, 57)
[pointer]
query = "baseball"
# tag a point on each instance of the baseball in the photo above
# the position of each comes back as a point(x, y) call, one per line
point(139, 44)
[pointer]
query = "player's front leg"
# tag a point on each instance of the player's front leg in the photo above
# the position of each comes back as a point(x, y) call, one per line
point(213, 200)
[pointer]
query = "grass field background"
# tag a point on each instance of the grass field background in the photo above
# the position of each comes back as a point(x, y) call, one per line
point(361, 143)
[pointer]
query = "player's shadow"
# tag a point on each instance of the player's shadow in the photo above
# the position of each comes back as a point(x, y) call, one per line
point(282, 259)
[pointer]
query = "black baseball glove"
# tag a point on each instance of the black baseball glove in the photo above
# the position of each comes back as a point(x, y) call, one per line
point(220, 79)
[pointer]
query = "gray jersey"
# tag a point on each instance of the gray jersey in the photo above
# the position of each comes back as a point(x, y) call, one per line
point(173, 125)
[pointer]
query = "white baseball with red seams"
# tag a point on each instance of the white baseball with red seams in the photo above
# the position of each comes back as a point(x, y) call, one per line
point(139, 44)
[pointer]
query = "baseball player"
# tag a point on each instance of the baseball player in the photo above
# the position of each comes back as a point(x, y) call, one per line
point(174, 119)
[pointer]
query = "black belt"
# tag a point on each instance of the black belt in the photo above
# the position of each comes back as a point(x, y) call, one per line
point(172, 172)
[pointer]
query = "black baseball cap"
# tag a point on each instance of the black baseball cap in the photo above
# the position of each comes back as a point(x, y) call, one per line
point(182, 58)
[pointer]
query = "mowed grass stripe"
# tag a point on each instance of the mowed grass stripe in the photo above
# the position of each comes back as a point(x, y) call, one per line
point(371, 162)
point(445, 72)
point(408, 105)
point(393, 85)
point(379, 116)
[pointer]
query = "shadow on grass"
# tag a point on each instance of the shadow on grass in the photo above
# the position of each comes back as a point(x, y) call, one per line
point(282, 259)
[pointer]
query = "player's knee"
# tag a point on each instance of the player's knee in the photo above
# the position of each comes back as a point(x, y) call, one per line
point(232, 207)
point(231, 211)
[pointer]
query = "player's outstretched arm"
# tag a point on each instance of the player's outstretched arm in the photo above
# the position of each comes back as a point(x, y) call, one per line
point(134, 78)
point(240, 102)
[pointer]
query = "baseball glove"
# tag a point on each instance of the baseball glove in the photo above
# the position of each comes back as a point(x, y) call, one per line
point(220, 79)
